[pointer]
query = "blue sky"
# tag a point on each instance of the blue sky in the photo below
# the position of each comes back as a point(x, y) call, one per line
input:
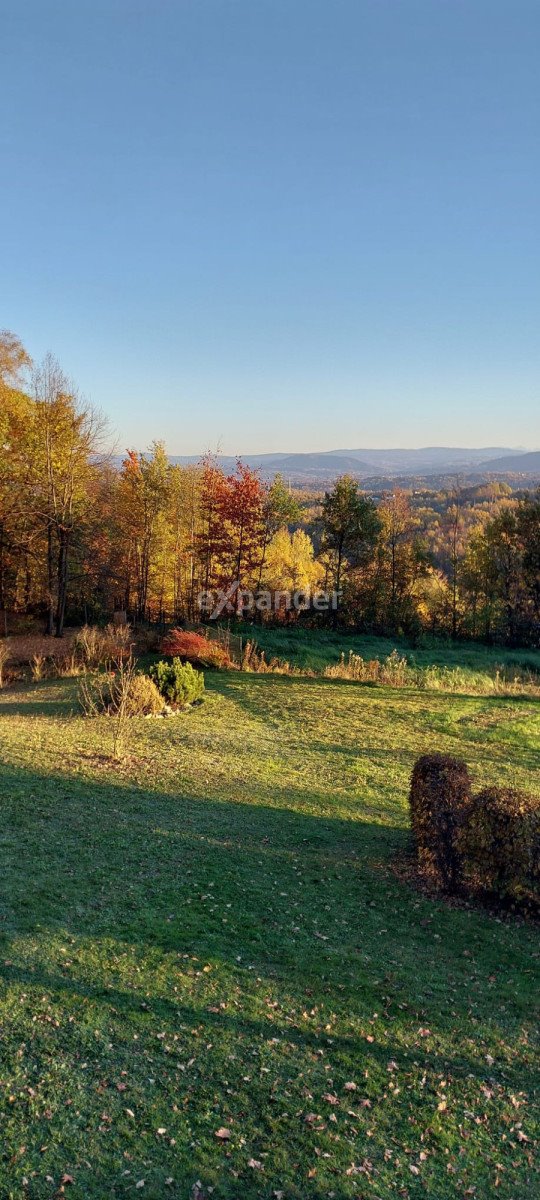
point(278, 224)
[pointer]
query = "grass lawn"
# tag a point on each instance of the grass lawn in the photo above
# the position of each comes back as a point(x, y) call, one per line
point(317, 649)
point(210, 938)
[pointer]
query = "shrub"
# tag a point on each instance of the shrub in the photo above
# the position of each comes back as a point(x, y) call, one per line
point(123, 694)
point(143, 697)
point(502, 840)
point(440, 799)
point(196, 649)
point(178, 682)
point(126, 691)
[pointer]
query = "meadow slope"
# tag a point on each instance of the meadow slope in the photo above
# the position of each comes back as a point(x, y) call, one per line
point(212, 977)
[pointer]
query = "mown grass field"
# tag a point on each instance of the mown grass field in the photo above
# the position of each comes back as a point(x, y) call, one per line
point(210, 937)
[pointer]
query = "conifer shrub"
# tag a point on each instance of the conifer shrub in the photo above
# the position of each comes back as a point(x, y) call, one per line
point(440, 799)
point(502, 841)
point(178, 682)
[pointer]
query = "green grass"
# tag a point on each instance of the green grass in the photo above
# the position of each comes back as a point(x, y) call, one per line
point(211, 935)
point(317, 649)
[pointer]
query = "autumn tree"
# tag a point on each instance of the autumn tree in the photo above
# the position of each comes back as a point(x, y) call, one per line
point(67, 437)
point(279, 509)
point(15, 419)
point(528, 530)
point(291, 566)
point(232, 531)
point(401, 558)
point(350, 527)
point(143, 499)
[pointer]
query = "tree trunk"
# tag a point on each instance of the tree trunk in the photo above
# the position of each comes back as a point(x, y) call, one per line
point(50, 581)
point(338, 581)
point(1, 566)
point(62, 576)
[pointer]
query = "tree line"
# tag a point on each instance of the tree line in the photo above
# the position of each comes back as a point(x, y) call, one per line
point(81, 535)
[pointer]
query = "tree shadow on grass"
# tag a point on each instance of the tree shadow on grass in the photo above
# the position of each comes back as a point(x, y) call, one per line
point(47, 698)
point(117, 897)
point(172, 1014)
point(302, 896)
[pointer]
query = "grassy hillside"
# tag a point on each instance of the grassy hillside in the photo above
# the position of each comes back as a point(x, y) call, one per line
point(210, 939)
point(317, 649)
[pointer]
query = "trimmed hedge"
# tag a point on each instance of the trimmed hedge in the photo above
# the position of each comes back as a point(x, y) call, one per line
point(502, 840)
point(489, 841)
point(440, 799)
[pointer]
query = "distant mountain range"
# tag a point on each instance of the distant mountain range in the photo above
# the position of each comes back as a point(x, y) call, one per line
point(527, 463)
point(429, 460)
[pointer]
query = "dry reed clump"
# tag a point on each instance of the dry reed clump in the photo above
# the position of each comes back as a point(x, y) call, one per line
point(94, 647)
point(254, 660)
point(396, 671)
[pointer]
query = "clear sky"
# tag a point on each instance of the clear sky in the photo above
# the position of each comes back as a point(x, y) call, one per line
point(278, 224)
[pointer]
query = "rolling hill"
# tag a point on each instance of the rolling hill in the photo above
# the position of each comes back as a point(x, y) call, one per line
point(526, 464)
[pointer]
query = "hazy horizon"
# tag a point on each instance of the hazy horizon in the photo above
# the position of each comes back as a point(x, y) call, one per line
point(222, 451)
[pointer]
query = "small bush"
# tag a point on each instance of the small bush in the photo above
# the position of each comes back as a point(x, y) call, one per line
point(196, 649)
point(144, 698)
point(502, 840)
point(440, 799)
point(178, 682)
point(132, 693)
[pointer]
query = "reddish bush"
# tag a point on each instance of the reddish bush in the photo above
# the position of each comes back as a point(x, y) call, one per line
point(194, 648)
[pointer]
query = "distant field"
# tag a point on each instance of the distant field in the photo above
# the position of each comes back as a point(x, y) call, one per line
point(316, 649)
point(210, 937)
